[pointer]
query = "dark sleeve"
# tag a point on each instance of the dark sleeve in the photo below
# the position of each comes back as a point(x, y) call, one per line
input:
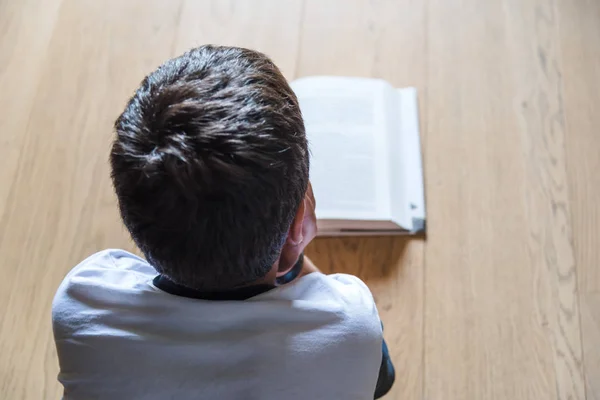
point(387, 375)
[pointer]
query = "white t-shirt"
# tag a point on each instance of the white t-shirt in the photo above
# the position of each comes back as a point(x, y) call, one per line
point(120, 337)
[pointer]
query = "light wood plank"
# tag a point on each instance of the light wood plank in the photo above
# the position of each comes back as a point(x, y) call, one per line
point(590, 323)
point(502, 294)
point(269, 26)
point(580, 47)
point(382, 39)
point(25, 29)
point(62, 208)
point(540, 110)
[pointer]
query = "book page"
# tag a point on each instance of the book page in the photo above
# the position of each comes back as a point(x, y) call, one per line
point(346, 128)
point(406, 173)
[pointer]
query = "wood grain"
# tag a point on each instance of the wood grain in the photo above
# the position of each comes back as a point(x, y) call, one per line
point(269, 26)
point(380, 39)
point(19, 77)
point(580, 49)
point(25, 28)
point(580, 35)
point(540, 109)
point(590, 323)
point(507, 281)
point(478, 307)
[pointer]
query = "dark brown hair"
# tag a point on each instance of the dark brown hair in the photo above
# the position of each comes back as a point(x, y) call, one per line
point(210, 164)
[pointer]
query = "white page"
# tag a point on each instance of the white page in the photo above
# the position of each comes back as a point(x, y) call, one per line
point(347, 129)
point(406, 173)
point(414, 186)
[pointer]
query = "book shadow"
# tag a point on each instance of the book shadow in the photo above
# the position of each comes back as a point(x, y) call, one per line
point(369, 258)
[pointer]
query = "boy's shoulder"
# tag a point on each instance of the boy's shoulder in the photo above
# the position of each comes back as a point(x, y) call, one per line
point(105, 267)
point(345, 287)
point(101, 275)
point(344, 295)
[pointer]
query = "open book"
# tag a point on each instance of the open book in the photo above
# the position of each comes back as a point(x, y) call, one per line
point(366, 168)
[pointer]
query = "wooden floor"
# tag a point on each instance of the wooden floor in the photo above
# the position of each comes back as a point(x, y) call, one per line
point(502, 301)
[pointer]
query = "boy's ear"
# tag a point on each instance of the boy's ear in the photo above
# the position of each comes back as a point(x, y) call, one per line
point(292, 247)
point(295, 235)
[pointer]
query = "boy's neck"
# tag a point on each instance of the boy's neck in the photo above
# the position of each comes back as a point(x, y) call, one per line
point(241, 293)
point(252, 289)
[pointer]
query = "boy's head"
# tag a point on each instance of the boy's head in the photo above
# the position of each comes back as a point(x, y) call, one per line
point(210, 166)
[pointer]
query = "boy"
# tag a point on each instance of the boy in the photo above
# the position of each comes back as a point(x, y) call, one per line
point(210, 167)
